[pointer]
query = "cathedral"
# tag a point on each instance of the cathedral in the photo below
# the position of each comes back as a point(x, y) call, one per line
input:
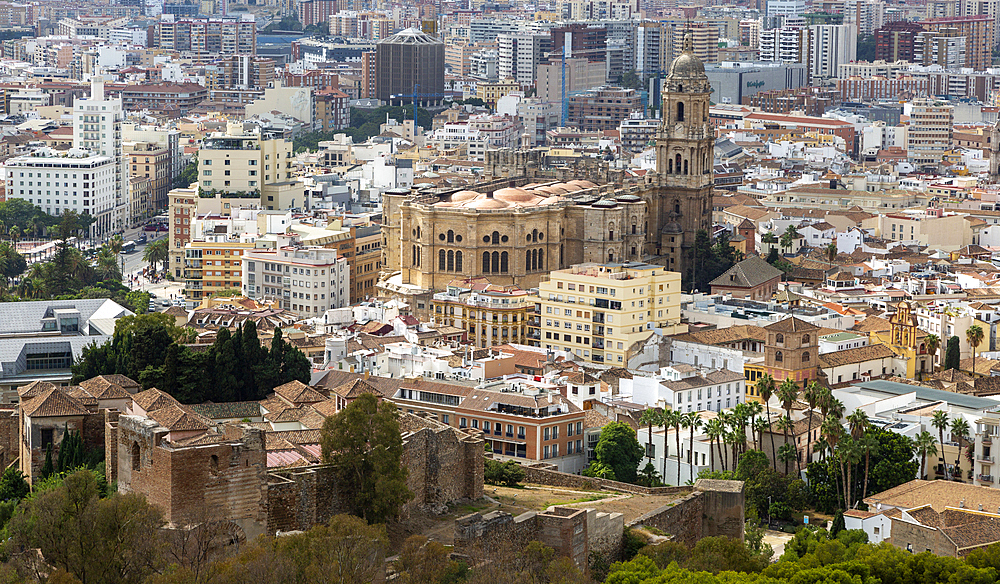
point(532, 214)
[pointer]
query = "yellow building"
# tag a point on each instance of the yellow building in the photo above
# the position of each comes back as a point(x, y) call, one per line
point(212, 267)
point(492, 92)
point(600, 311)
point(906, 340)
point(492, 315)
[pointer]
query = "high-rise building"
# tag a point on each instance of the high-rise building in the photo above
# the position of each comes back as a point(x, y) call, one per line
point(867, 16)
point(245, 72)
point(519, 55)
point(240, 162)
point(652, 48)
point(207, 36)
point(580, 40)
point(894, 41)
point(601, 312)
point(308, 280)
point(704, 41)
point(929, 134)
point(786, 45)
point(603, 108)
point(944, 47)
point(410, 63)
point(979, 37)
point(368, 80)
point(831, 45)
point(750, 33)
point(315, 11)
point(151, 161)
point(97, 126)
point(785, 8)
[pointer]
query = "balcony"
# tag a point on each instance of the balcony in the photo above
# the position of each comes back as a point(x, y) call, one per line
point(598, 317)
point(987, 439)
point(985, 459)
point(985, 478)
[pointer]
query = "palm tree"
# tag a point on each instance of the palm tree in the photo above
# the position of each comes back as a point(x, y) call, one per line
point(674, 418)
point(940, 421)
point(116, 244)
point(925, 445)
point(765, 389)
point(788, 392)
point(652, 417)
point(107, 264)
point(850, 454)
point(754, 409)
point(932, 342)
point(831, 251)
point(738, 422)
point(693, 422)
point(714, 429)
point(785, 424)
point(812, 394)
point(821, 446)
point(789, 236)
point(156, 253)
point(15, 234)
point(974, 334)
point(859, 424)
point(959, 431)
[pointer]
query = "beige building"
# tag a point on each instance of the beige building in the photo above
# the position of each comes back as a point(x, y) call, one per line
point(212, 266)
point(245, 164)
point(492, 315)
point(599, 312)
point(930, 227)
point(308, 280)
point(929, 134)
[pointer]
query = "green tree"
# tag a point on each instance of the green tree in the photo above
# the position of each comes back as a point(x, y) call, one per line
point(187, 176)
point(13, 486)
point(599, 470)
point(693, 423)
point(73, 527)
point(932, 342)
point(953, 354)
point(788, 392)
point(765, 389)
point(618, 448)
point(959, 432)
point(364, 444)
point(866, 48)
point(648, 476)
point(630, 80)
point(48, 467)
point(924, 443)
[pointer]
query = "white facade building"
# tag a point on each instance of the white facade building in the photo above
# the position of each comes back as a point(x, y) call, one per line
point(97, 126)
point(308, 280)
point(60, 181)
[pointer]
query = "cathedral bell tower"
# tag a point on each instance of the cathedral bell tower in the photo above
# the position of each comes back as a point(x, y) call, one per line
point(681, 202)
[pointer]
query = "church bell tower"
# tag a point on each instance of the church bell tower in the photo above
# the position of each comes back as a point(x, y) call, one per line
point(681, 204)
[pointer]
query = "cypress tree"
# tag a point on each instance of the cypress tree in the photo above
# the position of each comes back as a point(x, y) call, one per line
point(47, 467)
point(252, 356)
point(225, 389)
point(64, 447)
point(953, 356)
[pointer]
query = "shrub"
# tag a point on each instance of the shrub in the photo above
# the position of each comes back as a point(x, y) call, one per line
point(508, 474)
point(781, 511)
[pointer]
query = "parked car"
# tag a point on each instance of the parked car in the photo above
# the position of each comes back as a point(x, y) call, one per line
point(143, 238)
point(165, 302)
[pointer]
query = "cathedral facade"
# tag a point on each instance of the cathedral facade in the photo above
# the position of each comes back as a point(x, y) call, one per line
point(532, 214)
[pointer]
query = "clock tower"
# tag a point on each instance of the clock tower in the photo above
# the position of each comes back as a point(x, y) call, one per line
point(680, 204)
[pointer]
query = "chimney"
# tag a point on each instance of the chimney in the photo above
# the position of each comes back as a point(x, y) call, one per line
point(961, 504)
point(980, 506)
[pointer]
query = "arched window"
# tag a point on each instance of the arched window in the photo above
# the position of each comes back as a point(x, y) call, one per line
point(495, 268)
point(418, 232)
point(779, 338)
point(633, 251)
point(451, 236)
point(670, 169)
point(677, 164)
point(486, 262)
point(677, 207)
point(496, 238)
point(685, 167)
point(541, 259)
point(778, 357)
point(136, 460)
point(680, 112)
point(503, 262)
point(633, 228)
point(414, 255)
point(611, 256)
point(213, 464)
point(805, 339)
point(527, 260)
point(532, 259)
point(441, 260)
point(805, 356)
point(458, 261)
point(534, 235)
point(451, 261)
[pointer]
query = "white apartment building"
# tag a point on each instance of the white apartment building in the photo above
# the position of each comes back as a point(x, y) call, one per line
point(519, 55)
point(686, 388)
point(308, 280)
point(830, 46)
point(785, 8)
point(866, 16)
point(97, 126)
point(71, 180)
point(785, 45)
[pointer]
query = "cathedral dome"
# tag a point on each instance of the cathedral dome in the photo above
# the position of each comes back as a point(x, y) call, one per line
point(687, 65)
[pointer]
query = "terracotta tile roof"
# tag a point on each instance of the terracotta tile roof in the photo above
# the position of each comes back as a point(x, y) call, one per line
point(176, 417)
point(153, 399)
point(52, 403)
point(791, 325)
point(297, 392)
point(749, 273)
point(743, 332)
point(326, 408)
point(481, 400)
point(855, 355)
point(273, 440)
point(594, 419)
point(124, 382)
point(229, 410)
point(983, 366)
point(355, 389)
point(80, 394)
point(34, 388)
point(872, 324)
point(937, 494)
point(102, 388)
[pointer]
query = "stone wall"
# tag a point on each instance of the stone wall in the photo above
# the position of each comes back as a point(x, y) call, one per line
point(545, 474)
point(919, 538)
point(8, 436)
point(444, 465)
point(300, 498)
point(111, 445)
point(571, 532)
point(715, 508)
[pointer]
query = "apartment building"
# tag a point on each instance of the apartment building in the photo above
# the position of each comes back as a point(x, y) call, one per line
point(979, 36)
point(151, 161)
point(97, 126)
point(333, 111)
point(182, 209)
point(520, 54)
point(213, 264)
point(244, 72)
point(929, 135)
point(367, 261)
point(604, 108)
point(174, 98)
point(239, 162)
point(492, 315)
point(207, 36)
point(308, 280)
point(599, 311)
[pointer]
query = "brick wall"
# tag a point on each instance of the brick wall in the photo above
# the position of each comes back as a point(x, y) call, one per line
point(918, 538)
point(8, 437)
